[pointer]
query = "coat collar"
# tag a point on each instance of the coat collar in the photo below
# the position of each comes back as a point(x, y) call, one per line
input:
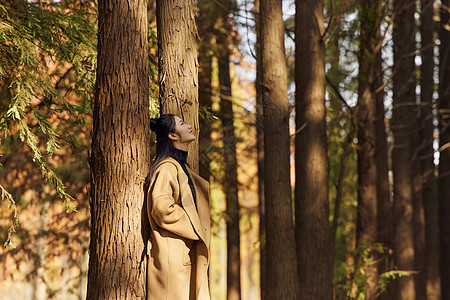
point(179, 155)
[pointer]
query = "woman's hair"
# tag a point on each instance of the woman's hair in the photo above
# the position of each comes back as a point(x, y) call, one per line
point(162, 126)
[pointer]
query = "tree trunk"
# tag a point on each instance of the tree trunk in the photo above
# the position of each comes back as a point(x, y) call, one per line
point(314, 255)
point(204, 98)
point(444, 143)
point(385, 205)
point(178, 65)
point(366, 229)
point(230, 182)
point(281, 271)
point(40, 291)
point(120, 153)
point(260, 151)
point(427, 261)
point(418, 147)
point(418, 209)
point(429, 188)
point(404, 100)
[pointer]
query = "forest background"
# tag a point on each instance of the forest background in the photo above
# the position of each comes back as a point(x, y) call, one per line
point(335, 112)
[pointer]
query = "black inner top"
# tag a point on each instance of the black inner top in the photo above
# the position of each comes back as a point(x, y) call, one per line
point(180, 156)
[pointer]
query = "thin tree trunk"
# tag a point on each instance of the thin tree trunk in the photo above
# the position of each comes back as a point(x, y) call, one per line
point(444, 143)
point(366, 232)
point(230, 189)
point(314, 255)
point(178, 65)
point(423, 152)
point(281, 272)
point(418, 210)
point(385, 205)
point(230, 182)
point(120, 153)
point(260, 155)
point(404, 101)
point(429, 191)
point(204, 98)
point(42, 251)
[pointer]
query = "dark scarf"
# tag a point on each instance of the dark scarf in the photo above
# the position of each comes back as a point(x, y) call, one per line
point(181, 156)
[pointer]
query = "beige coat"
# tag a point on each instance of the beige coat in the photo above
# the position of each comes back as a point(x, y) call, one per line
point(180, 235)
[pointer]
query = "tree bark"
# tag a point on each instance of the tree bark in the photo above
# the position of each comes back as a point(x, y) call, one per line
point(426, 153)
point(418, 211)
point(312, 229)
point(444, 143)
point(281, 274)
point(430, 260)
point(260, 152)
point(120, 153)
point(178, 65)
point(404, 99)
point(384, 205)
point(366, 229)
point(205, 93)
point(418, 179)
point(230, 183)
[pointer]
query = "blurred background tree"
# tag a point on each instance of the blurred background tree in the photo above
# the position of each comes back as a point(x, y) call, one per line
point(48, 61)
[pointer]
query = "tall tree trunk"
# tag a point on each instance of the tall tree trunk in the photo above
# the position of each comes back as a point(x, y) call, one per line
point(204, 99)
point(178, 65)
point(260, 152)
point(281, 270)
point(418, 206)
point(384, 206)
point(314, 255)
point(418, 210)
point(444, 148)
point(429, 188)
point(366, 229)
point(230, 182)
point(120, 152)
point(404, 101)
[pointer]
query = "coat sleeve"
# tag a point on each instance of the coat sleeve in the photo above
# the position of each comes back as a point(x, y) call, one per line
point(165, 211)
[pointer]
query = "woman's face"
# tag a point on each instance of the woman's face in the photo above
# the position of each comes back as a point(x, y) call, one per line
point(184, 131)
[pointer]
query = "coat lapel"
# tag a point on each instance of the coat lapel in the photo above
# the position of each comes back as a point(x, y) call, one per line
point(203, 206)
point(187, 201)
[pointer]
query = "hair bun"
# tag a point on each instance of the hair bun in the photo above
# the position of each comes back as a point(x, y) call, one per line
point(153, 124)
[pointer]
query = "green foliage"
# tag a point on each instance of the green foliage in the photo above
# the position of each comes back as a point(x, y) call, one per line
point(385, 278)
point(339, 133)
point(38, 42)
point(11, 205)
point(353, 284)
point(206, 114)
point(351, 281)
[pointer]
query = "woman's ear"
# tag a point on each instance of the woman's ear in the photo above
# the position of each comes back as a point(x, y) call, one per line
point(173, 136)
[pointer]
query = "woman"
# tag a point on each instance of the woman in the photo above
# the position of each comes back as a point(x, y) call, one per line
point(178, 211)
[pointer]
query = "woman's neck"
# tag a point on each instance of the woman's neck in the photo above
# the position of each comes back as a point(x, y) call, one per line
point(180, 146)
